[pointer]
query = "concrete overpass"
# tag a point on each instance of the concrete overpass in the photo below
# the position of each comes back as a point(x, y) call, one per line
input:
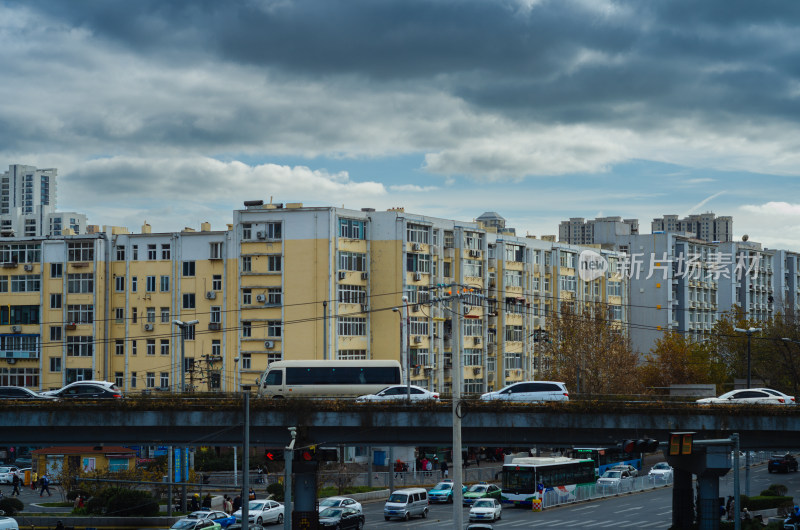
point(218, 420)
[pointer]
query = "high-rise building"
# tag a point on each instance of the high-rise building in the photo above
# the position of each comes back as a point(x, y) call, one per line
point(28, 205)
point(578, 231)
point(705, 226)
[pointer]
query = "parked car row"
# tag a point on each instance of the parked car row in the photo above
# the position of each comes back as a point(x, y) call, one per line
point(524, 391)
point(76, 390)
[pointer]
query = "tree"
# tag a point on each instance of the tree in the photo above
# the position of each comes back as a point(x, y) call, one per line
point(678, 360)
point(590, 352)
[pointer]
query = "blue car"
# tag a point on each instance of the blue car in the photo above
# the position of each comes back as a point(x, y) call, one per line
point(443, 492)
point(221, 518)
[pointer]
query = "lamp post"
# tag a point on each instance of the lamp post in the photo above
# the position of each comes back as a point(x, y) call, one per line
point(787, 339)
point(749, 332)
point(405, 354)
point(182, 326)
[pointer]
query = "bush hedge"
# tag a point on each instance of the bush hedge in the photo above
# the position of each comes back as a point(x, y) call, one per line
point(765, 503)
point(775, 490)
point(11, 505)
point(123, 502)
point(276, 489)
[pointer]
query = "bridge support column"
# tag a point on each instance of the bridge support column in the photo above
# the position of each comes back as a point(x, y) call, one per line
point(682, 499)
point(708, 501)
point(305, 512)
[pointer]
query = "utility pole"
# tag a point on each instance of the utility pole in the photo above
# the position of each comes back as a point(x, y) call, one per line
point(456, 377)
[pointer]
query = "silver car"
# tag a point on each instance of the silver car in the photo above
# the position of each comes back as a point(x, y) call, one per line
point(530, 391)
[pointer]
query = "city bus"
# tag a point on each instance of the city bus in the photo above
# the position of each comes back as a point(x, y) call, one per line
point(559, 476)
point(606, 457)
point(331, 379)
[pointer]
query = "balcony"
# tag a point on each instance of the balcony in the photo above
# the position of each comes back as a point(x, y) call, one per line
point(18, 354)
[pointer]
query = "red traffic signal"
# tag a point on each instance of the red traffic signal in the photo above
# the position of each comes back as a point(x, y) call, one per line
point(273, 455)
point(642, 445)
point(629, 446)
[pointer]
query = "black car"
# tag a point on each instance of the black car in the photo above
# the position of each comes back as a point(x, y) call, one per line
point(19, 392)
point(782, 463)
point(341, 518)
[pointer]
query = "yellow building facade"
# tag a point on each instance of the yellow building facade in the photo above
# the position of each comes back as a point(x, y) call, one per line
point(287, 282)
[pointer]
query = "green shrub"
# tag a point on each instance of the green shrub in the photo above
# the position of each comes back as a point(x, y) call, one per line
point(132, 503)
point(765, 503)
point(775, 490)
point(276, 490)
point(11, 505)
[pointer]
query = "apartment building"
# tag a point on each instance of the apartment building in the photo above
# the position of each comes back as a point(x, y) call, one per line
point(578, 231)
point(705, 226)
point(289, 282)
point(28, 204)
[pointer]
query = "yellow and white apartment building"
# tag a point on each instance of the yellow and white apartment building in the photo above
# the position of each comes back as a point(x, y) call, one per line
point(285, 282)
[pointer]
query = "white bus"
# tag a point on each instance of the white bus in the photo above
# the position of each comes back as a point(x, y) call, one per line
point(285, 379)
point(560, 477)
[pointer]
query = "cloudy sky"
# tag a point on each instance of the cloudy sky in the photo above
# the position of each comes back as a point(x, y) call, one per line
point(176, 112)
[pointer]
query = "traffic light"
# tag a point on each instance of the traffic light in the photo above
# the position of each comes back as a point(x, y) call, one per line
point(314, 453)
point(642, 445)
point(273, 455)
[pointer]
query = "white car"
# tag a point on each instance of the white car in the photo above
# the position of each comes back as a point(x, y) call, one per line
point(615, 480)
point(661, 472)
point(8, 523)
point(751, 396)
point(399, 393)
point(486, 510)
point(632, 471)
point(340, 502)
point(262, 511)
point(7, 474)
point(530, 391)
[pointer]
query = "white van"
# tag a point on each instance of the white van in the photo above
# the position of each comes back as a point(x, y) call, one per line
point(406, 503)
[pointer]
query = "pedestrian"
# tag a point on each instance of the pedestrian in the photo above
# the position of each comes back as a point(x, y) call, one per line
point(729, 508)
point(251, 494)
point(44, 484)
point(207, 501)
point(227, 505)
point(445, 470)
point(15, 483)
point(34, 480)
point(237, 503)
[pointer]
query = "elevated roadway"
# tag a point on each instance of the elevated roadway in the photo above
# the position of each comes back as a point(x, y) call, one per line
point(218, 420)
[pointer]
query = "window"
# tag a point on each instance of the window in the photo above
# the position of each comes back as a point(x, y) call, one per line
point(353, 326)
point(133, 347)
point(567, 283)
point(247, 297)
point(150, 284)
point(274, 263)
point(152, 252)
point(3, 284)
point(164, 346)
point(418, 263)
point(216, 314)
point(447, 270)
point(352, 294)
point(119, 284)
point(514, 333)
point(134, 315)
point(188, 268)
point(134, 283)
point(133, 379)
point(417, 326)
point(164, 380)
point(119, 347)
point(247, 231)
point(78, 346)
point(216, 282)
point(151, 347)
point(512, 278)
point(165, 251)
point(247, 264)
point(352, 261)
point(150, 381)
point(165, 315)
point(55, 333)
point(134, 252)
point(473, 267)
point(615, 312)
point(216, 348)
point(120, 253)
point(472, 240)
point(614, 288)
point(417, 233)
point(247, 329)
point(352, 228)
point(449, 239)
point(164, 284)
point(25, 283)
point(80, 314)
point(188, 301)
point(514, 253)
point(246, 361)
point(274, 328)
point(55, 364)
point(55, 301)
point(274, 296)
point(56, 270)
point(215, 250)
point(272, 231)
point(119, 379)
point(472, 327)
point(151, 315)
point(80, 251)
point(80, 283)
point(566, 259)
point(473, 357)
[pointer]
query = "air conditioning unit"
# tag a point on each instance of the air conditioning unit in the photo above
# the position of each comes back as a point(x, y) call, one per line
point(476, 340)
point(365, 276)
point(148, 327)
point(11, 360)
point(261, 235)
point(211, 295)
point(475, 253)
point(476, 370)
point(261, 298)
point(269, 344)
point(364, 308)
point(417, 276)
point(415, 308)
point(214, 326)
point(342, 275)
point(16, 329)
point(518, 372)
point(416, 247)
point(434, 249)
point(28, 267)
point(417, 339)
point(490, 376)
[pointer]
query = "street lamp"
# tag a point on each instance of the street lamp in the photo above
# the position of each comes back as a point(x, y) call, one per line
point(182, 326)
point(787, 339)
point(404, 344)
point(749, 332)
